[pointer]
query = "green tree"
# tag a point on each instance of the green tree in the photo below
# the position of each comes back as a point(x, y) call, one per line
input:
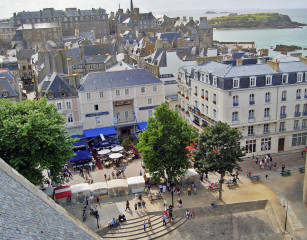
point(219, 150)
point(32, 138)
point(163, 144)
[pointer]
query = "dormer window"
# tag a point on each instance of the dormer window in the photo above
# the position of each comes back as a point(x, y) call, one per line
point(236, 82)
point(268, 80)
point(252, 81)
point(299, 77)
point(50, 95)
point(207, 79)
point(5, 94)
point(195, 75)
point(285, 78)
point(202, 79)
point(63, 93)
point(214, 82)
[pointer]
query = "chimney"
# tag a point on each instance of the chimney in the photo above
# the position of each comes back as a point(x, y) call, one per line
point(14, 15)
point(260, 60)
point(239, 62)
point(202, 19)
point(120, 11)
point(136, 11)
point(40, 13)
point(274, 65)
point(190, 19)
point(303, 59)
point(111, 15)
point(184, 18)
point(79, 12)
point(296, 55)
point(77, 33)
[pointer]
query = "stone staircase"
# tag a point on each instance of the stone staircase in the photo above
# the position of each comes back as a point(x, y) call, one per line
point(133, 228)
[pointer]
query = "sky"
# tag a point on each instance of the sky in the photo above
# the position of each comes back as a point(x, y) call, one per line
point(8, 7)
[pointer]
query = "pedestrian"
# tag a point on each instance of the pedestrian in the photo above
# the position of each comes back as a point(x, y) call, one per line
point(275, 166)
point(144, 224)
point(91, 199)
point(139, 205)
point(257, 159)
point(165, 202)
point(127, 205)
point(141, 174)
point(135, 206)
point(97, 199)
point(213, 204)
point(164, 188)
point(149, 222)
point(144, 204)
point(178, 191)
point(194, 191)
point(164, 220)
point(187, 214)
point(168, 185)
point(249, 174)
point(302, 154)
point(189, 191)
point(160, 187)
point(266, 176)
point(180, 202)
point(202, 177)
point(270, 165)
point(191, 213)
point(105, 177)
point(283, 167)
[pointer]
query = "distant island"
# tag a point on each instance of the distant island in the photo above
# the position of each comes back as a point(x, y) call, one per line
point(254, 21)
point(287, 48)
point(210, 12)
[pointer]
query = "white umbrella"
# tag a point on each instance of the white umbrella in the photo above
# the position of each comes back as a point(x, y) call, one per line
point(115, 155)
point(104, 151)
point(117, 149)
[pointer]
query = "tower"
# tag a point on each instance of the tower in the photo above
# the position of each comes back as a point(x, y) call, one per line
point(131, 6)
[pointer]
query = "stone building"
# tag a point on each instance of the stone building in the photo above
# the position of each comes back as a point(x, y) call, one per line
point(7, 30)
point(25, 68)
point(68, 20)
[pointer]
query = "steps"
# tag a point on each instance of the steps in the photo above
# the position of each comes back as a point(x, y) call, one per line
point(133, 229)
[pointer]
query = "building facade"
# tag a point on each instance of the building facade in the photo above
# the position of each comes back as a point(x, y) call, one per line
point(266, 102)
point(119, 99)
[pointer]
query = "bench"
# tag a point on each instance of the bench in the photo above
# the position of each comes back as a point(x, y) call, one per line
point(285, 173)
point(302, 169)
point(255, 178)
point(212, 188)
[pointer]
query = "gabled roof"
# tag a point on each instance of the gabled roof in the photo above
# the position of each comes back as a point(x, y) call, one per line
point(5, 86)
point(57, 85)
point(170, 36)
point(250, 70)
point(25, 54)
point(90, 50)
point(117, 79)
point(146, 16)
point(158, 58)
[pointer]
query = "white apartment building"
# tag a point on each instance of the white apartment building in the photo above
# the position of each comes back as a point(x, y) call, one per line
point(266, 102)
point(118, 101)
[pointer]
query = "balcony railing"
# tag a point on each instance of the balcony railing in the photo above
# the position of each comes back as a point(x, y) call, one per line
point(282, 129)
point(235, 122)
point(304, 126)
point(251, 102)
point(266, 117)
point(283, 99)
point(283, 115)
point(304, 113)
point(251, 134)
point(235, 104)
point(297, 114)
point(251, 120)
point(298, 97)
point(266, 131)
point(305, 96)
point(296, 127)
point(267, 100)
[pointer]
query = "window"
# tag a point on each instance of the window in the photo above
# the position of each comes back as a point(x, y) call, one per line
point(251, 114)
point(252, 99)
point(299, 77)
point(59, 106)
point(214, 98)
point(68, 105)
point(235, 116)
point(195, 75)
point(203, 108)
point(214, 81)
point(127, 92)
point(203, 93)
point(297, 110)
point(100, 94)
point(207, 95)
point(299, 139)
point(267, 112)
point(265, 144)
point(282, 126)
point(250, 146)
point(268, 80)
point(285, 78)
point(236, 82)
point(283, 95)
point(117, 93)
point(296, 124)
point(96, 107)
point(305, 94)
point(149, 101)
point(252, 81)
point(207, 79)
point(150, 113)
point(250, 130)
point(267, 97)
point(70, 118)
point(195, 93)
point(304, 123)
point(98, 120)
point(155, 88)
point(298, 93)
point(143, 90)
point(305, 109)
point(126, 115)
point(207, 110)
point(202, 79)
point(196, 104)
point(214, 113)
point(266, 128)
point(235, 101)
point(88, 96)
point(283, 110)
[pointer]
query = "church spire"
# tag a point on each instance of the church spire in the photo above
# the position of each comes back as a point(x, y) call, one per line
point(131, 6)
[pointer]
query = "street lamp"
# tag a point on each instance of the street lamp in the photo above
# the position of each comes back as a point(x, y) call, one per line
point(97, 217)
point(286, 206)
point(172, 191)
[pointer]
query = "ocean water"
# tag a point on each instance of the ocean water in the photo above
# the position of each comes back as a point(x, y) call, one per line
point(264, 38)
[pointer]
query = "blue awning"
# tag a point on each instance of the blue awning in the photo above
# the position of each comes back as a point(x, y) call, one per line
point(97, 131)
point(85, 154)
point(142, 126)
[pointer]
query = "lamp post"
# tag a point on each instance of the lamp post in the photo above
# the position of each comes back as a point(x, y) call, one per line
point(286, 206)
point(97, 217)
point(172, 192)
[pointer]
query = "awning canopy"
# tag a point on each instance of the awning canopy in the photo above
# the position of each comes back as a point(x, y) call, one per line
point(62, 192)
point(97, 131)
point(85, 154)
point(142, 126)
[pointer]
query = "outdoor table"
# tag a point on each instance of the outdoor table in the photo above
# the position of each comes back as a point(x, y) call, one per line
point(255, 178)
point(285, 173)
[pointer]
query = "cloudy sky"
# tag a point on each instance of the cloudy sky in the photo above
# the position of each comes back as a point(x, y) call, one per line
point(7, 7)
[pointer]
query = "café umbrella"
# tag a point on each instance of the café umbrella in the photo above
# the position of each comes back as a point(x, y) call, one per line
point(117, 149)
point(115, 155)
point(104, 151)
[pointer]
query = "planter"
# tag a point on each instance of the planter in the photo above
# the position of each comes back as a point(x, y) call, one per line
point(195, 94)
point(214, 102)
point(202, 97)
point(187, 112)
point(187, 97)
point(179, 92)
point(207, 98)
point(179, 106)
point(182, 109)
point(182, 95)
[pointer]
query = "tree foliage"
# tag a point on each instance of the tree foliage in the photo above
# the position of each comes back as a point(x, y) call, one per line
point(32, 138)
point(163, 144)
point(219, 150)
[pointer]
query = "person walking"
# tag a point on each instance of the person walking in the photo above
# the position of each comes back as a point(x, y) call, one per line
point(194, 191)
point(149, 222)
point(164, 220)
point(105, 177)
point(187, 214)
point(141, 174)
point(127, 205)
point(165, 202)
point(213, 204)
point(189, 191)
point(283, 167)
point(135, 206)
point(144, 224)
point(144, 204)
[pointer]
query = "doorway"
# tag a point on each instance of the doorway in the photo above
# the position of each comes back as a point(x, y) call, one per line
point(281, 144)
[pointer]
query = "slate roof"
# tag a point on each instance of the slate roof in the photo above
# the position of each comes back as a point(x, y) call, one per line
point(288, 67)
point(56, 85)
point(25, 54)
point(170, 36)
point(96, 59)
point(38, 26)
point(5, 85)
point(158, 58)
point(117, 79)
point(28, 213)
point(90, 50)
point(9, 65)
point(250, 70)
point(18, 37)
point(146, 16)
point(285, 58)
point(204, 25)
